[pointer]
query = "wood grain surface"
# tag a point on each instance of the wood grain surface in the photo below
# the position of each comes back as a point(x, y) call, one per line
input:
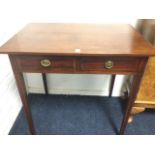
point(146, 93)
point(78, 64)
point(78, 39)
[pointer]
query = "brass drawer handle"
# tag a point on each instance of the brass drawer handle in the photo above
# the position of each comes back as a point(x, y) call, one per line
point(45, 63)
point(109, 64)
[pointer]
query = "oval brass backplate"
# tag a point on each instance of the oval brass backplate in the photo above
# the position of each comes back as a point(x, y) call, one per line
point(45, 63)
point(109, 64)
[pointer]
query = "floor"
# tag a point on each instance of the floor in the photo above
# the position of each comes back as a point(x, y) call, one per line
point(81, 115)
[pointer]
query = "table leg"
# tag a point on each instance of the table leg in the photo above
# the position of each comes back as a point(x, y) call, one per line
point(112, 84)
point(23, 94)
point(45, 83)
point(133, 94)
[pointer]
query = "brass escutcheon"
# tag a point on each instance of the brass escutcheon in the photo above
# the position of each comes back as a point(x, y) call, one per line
point(45, 63)
point(109, 64)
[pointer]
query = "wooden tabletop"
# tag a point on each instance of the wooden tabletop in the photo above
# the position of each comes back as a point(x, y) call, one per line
point(78, 39)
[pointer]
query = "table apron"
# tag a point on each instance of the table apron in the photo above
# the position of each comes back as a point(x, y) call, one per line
point(79, 64)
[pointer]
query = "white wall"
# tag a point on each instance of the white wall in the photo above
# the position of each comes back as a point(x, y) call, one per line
point(14, 15)
point(10, 103)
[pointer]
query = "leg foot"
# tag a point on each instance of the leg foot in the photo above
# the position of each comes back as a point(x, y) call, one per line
point(134, 111)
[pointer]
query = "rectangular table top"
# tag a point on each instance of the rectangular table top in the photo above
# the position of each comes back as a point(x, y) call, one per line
point(78, 39)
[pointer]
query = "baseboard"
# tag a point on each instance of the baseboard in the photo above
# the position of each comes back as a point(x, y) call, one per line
point(70, 91)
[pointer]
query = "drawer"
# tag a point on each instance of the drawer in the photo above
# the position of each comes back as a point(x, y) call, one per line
point(109, 64)
point(46, 64)
point(82, 64)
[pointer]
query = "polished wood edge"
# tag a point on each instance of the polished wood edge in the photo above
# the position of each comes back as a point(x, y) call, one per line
point(73, 54)
point(151, 106)
point(144, 102)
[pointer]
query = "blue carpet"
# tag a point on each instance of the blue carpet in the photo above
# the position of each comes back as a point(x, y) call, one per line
point(80, 115)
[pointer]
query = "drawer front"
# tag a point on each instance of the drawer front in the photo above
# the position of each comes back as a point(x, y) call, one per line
point(109, 64)
point(82, 64)
point(46, 64)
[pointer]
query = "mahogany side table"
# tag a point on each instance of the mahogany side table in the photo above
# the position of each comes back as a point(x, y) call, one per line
point(78, 49)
